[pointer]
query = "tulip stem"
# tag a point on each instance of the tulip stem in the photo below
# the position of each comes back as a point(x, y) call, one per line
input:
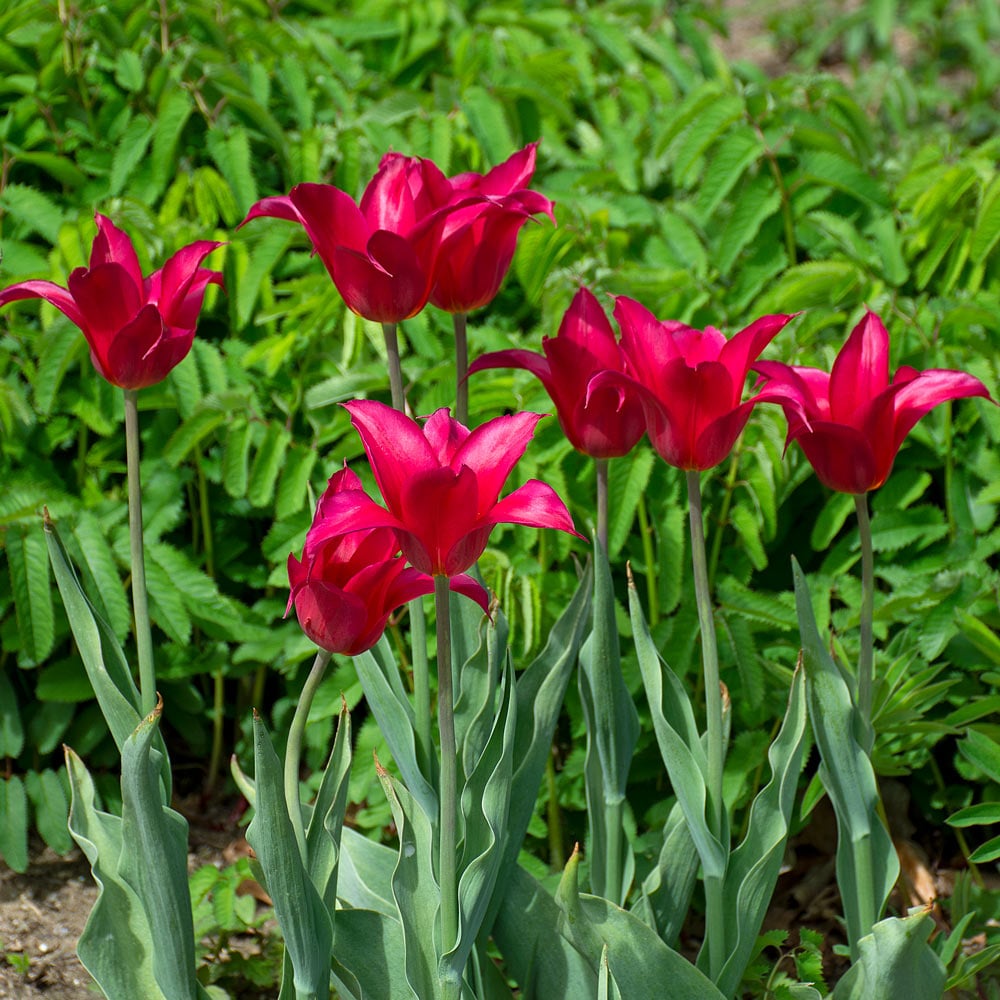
point(140, 600)
point(421, 687)
point(449, 777)
point(461, 368)
point(293, 750)
point(395, 368)
point(715, 915)
point(866, 656)
point(601, 464)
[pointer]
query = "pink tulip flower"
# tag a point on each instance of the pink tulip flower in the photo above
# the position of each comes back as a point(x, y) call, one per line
point(602, 425)
point(381, 252)
point(851, 421)
point(347, 585)
point(441, 485)
point(138, 328)
point(690, 382)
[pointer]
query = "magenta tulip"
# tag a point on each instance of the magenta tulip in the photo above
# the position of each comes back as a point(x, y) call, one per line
point(138, 328)
point(347, 585)
point(606, 424)
point(690, 382)
point(380, 253)
point(477, 243)
point(441, 485)
point(851, 421)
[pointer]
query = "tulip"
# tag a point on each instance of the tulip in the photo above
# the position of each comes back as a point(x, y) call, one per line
point(346, 586)
point(441, 485)
point(138, 329)
point(380, 253)
point(690, 382)
point(851, 421)
point(601, 425)
point(477, 242)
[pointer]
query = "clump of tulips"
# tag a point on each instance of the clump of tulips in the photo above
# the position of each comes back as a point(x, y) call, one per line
point(418, 922)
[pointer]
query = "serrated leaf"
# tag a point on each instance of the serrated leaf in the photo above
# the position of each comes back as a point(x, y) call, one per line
point(757, 202)
point(294, 482)
point(14, 828)
point(701, 133)
point(11, 727)
point(736, 151)
point(986, 231)
point(895, 529)
point(624, 494)
point(844, 175)
point(45, 792)
point(488, 122)
point(28, 564)
point(236, 460)
point(231, 153)
point(191, 433)
point(59, 347)
point(539, 250)
point(830, 520)
point(129, 153)
point(172, 113)
point(35, 211)
point(267, 464)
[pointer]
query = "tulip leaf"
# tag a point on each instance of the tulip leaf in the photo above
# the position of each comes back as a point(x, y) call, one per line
point(537, 956)
point(612, 733)
point(391, 707)
point(667, 889)
point(895, 960)
point(485, 801)
point(153, 862)
point(116, 946)
point(364, 879)
point(415, 890)
point(867, 864)
point(753, 868)
point(368, 960)
point(677, 736)
point(640, 962)
point(327, 819)
point(304, 920)
point(540, 693)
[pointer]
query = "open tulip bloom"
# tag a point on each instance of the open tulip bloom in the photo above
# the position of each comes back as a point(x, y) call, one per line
point(690, 382)
point(346, 586)
point(441, 485)
point(851, 421)
point(603, 424)
point(138, 328)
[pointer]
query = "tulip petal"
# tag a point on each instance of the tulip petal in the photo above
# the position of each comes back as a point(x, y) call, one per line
point(444, 435)
point(276, 207)
point(528, 361)
point(351, 510)
point(743, 349)
point(112, 246)
point(138, 355)
point(925, 390)
point(842, 457)
point(395, 445)
point(860, 372)
point(461, 583)
point(536, 505)
point(177, 278)
point(493, 449)
point(386, 283)
point(52, 293)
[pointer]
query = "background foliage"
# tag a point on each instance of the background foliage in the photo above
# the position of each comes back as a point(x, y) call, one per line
point(859, 167)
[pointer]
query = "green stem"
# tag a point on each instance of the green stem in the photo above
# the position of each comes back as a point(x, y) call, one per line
point(461, 368)
point(601, 464)
point(421, 687)
point(448, 844)
point(713, 707)
point(140, 600)
point(866, 655)
point(293, 751)
point(395, 368)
